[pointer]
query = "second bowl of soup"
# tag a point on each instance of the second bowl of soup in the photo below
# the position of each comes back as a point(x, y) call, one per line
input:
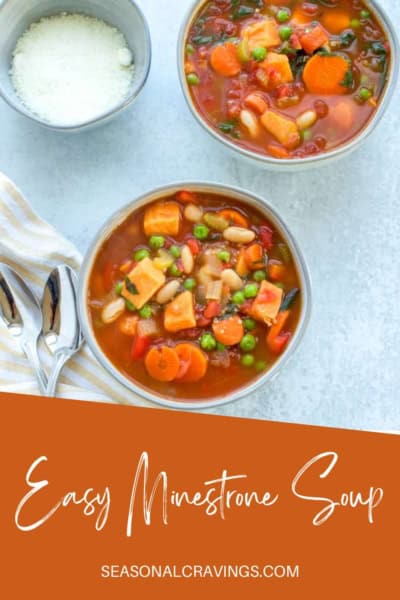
point(288, 82)
point(194, 295)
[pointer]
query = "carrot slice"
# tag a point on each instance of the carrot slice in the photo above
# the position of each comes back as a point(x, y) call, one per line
point(186, 197)
point(325, 74)
point(276, 271)
point(242, 268)
point(256, 102)
point(254, 257)
point(234, 217)
point(336, 21)
point(162, 363)
point(279, 324)
point(197, 362)
point(314, 39)
point(228, 331)
point(224, 60)
point(278, 151)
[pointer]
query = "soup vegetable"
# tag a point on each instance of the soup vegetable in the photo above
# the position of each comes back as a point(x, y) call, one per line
point(194, 295)
point(286, 78)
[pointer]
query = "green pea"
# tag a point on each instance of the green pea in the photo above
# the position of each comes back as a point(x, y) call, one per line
point(192, 79)
point(259, 276)
point(156, 242)
point(364, 14)
point(224, 256)
point(247, 360)
point(306, 134)
point(238, 298)
point(355, 24)
point(365, 94)
point(175, 251)
point(189, 284)
point(259, 54)
point(175, 271)
point(208, 342)
point(250, 290)
point(285, 32)
point(145, 312)
point(119, 287)
point(189, 49)
point(283, 16)
point(220, 347)
point(141, 254)
point(130, 306)
point(201, 231)
point(260, 365)
point(249, 324)
point(248, 342)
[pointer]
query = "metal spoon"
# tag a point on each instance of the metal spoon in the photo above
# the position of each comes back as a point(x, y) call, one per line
point(61, 328)
point(20, 311)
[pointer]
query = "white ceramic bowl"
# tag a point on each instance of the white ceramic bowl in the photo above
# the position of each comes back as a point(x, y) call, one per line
point(17, 15)
point(119, 217)
point(295, 163)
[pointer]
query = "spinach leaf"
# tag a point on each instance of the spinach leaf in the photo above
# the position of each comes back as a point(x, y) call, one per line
point(131, 287)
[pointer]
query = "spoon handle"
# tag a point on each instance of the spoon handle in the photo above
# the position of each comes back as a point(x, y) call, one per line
point(55, 373)
point(32, 355)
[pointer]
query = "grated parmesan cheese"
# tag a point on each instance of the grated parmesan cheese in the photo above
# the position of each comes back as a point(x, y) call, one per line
point(71, 68)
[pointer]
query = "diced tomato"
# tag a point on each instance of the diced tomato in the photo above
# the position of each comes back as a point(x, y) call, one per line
point(202, 321)
point(186, 197)
point(279, 343)
point(213, 309)
point(246, 307)
point(295, 42)
point(193, 245)
point(140, 346)
point(266, 234)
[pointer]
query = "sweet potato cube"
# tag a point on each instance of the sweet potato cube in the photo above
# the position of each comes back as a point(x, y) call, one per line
point(313, 39)
point(282, 128)
point(179, 314)
point(263, 33)
point(143, 282)
point(267, 303)
point(277, 66)
point(162, 218)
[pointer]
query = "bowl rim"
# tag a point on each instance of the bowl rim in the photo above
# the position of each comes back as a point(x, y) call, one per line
point(140, 83)
point(152, 195)
point(279, 163)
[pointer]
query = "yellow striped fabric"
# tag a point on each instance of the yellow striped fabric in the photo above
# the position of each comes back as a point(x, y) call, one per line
point(34, 248)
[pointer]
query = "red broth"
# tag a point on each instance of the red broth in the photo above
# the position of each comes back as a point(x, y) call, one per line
point(287, 79)
point(237, 302)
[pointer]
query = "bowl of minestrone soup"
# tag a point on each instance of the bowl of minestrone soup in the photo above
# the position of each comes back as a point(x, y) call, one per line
point(289, 83)
point(194, 295)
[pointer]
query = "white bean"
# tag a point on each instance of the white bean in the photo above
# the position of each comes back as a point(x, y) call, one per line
point(230, 278)
point(249, 120)
point(187, 260)
point(306, 119)
point(239, 235)
point(168, 291)
point(193, 213)
point(112, 311)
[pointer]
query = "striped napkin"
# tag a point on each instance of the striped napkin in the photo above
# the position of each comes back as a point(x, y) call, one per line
point(33, 248)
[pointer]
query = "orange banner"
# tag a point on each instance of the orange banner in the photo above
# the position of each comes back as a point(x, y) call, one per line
point(117, 502)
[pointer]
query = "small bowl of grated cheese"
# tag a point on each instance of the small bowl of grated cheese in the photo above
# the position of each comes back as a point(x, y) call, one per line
point(70, 64)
